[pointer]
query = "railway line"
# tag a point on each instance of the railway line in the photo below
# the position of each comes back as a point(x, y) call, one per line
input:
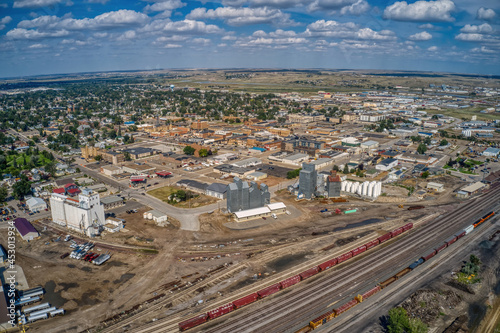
point(159, 305)
point(169, 324)
point(298, 300)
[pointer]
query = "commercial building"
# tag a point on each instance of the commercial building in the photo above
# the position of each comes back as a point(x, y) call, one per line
point(243, 196)
point(295, 159)
point(85, 215)
point(216, 190)
point(112, 201)
point(157, 216)
point(491, 152)
point(141, 152)
point(387, 164)
point(307, 180)
point(473, 188)
point(36, 204)
point(25, 229)
point(138, 169)
point(110, 170)
point(252, 161)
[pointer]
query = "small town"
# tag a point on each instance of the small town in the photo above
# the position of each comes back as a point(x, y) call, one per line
point(219, 191)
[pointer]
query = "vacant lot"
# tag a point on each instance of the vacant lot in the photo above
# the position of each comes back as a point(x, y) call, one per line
point(193, 199)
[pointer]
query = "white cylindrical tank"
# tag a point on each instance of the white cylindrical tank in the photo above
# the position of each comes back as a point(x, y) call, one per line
point(348, 187)
point(379, 189)
point(354, 187)
point(343, 186)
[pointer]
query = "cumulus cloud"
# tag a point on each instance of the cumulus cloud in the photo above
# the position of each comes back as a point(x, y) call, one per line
point(20, 33)
point(427, 26)
point(433, 48)
point(350, 30)
point(181, 27)
point(433, 11)
point(357, 8)
point(117, 19)
point(127, 35)
point(243, 16)
point(470, 37)
point(421, 36)
point(38, 46)
point(277, 3)
point(35, 3)
point(102, 2)
point(166, 7)
point(323, 5)
point(4, 21)
point(483, 49)
point(172, 46)
point(484, 28)
point(485, 14)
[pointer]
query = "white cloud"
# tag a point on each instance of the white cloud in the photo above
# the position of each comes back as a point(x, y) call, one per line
point(127, 35)
point(358, 8)
point(421, 36)
point(181, 27)
point(38, 46)
point(277, 3)
point(4, 21)
point(484, 28)
point(164, 6)
point(102, 2)
point(172, 46)
point(201, 41)
point(116, 19)
point(228, 38)
point(433, 48)
point(427, 26)
point(433, 11)
point(35, 3)
point(485, 14)
point(350, 30)
point(323, 5)
point(20, 33)
point(470, 37)
point(243, 16)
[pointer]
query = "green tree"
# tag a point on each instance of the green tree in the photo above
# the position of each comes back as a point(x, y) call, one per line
point(127, 156)
point(98, 157)
point(188, 150)
point(293, 173)
point(21, 188)
point(475, 260)
point(4, 192)
point(203, 152)
point(398, 321)
point(346, 169)
point(51, 168)
point(443, 142)
point(422, 148)
point(425, 174)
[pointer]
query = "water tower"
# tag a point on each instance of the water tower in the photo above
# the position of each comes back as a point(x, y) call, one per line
point(172, 87)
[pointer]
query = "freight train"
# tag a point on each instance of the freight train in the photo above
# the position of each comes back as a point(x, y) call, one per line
point(212, 314)
point(326, 317)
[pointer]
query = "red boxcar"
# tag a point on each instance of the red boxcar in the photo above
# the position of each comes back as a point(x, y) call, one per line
point(371, 292)
point(198, 320)
point(269, 290)
point(310, 272)
point(441, 248)
point(451, 240)
point(429, 255)
point(328, 264)
point(290, 281)
point(245, 300)
point(372, 243)
point(344, 257)
point(221, 311)
point(407, 226)
point(460, 235)
point(385, 237)
point(396, 232)
point(345, 307)
point(359, 250)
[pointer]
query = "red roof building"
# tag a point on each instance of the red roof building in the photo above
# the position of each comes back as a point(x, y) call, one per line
point(59, 190)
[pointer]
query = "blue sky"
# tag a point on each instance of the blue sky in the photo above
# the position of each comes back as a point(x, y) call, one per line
point(68, 36)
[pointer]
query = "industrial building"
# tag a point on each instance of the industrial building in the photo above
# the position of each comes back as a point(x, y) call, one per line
point(307, 180)
point(216, 190)
point(157, 216)
point(254, 213)
point(366, 189)
point(112, 201)
point(36, 204)
point(25, 229)
point(85, 215)
point(387, 164)
point(333, 186)
point(243, 196)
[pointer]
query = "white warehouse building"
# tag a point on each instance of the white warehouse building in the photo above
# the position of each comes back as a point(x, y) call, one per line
point(85, 215)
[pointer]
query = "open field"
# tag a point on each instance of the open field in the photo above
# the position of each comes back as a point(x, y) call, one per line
point(192, 202)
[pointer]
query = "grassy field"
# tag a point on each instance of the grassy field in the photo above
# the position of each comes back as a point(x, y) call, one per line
point(466, 113)
point(199, 200)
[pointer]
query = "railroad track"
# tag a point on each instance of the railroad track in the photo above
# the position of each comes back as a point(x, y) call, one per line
point(148, 312)
point(272, 316)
